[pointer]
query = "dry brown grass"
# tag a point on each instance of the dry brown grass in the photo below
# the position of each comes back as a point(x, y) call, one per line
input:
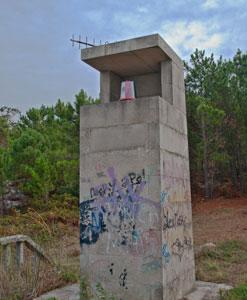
point(57, 233)
point(36, 276)
point(27, 282)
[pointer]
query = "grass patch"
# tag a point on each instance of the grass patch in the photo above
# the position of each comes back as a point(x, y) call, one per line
point(238, 293)
point(69, 276)
point(233, 251)
point(84, 289)
point(225, 263)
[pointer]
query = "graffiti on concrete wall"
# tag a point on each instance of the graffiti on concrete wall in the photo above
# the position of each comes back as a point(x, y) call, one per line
point(111, 268)
point(173, 219)
point(91, 222)
point(179, 246)
point(163, 197)
point(166, 253)
point(114, 204)
point(123, 279)
point(114, 208)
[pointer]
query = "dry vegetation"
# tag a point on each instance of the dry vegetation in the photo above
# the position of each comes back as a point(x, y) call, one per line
point(28, 282)
point(56, 230)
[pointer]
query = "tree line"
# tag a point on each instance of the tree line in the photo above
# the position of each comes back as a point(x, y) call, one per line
point(216, 93)
point(39, 151)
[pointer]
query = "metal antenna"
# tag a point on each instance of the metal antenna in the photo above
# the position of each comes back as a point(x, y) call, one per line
point(79, 42)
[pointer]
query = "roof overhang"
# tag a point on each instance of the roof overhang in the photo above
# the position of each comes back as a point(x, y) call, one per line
point(130, 57)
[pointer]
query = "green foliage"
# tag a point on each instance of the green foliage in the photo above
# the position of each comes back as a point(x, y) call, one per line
point(28, 163)
point(2, 172)
point(4, 131)
point(7, 123)
point(40, 153)
point(216, 92)
point(233, 251)
point(238, 293)
point(7, 128)
point(69, 276)
point(84, 289)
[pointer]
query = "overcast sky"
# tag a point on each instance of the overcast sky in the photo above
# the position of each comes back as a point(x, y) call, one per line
point(38, 64)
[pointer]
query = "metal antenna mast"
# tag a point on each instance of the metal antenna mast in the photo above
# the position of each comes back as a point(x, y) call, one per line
point(80, 42)
point(85, 42)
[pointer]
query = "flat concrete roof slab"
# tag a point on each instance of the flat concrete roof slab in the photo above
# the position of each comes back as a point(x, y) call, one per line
point(130, 57)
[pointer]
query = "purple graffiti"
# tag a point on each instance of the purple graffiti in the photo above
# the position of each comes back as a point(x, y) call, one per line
point(114, 204)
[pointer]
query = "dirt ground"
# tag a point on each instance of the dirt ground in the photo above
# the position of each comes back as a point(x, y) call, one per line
point(223, 222)
point(220, 220)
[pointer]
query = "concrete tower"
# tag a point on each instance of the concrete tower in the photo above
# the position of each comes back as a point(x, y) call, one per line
point(135, 209)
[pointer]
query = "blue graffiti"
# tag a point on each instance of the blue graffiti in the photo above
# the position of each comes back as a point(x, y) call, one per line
point(166, 253)
point(91, 223)
point(163, 196)
point(135, 236)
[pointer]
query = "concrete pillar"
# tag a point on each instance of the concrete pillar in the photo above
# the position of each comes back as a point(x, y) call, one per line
point(109, 87)
point(135, 207)
point(167, 80)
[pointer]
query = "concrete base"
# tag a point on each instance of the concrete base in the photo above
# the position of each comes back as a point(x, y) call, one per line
point(206, 291)
point(203, 291)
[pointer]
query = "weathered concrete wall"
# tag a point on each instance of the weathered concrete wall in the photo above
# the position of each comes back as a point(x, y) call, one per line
point(177, 239)
point(135, 213)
